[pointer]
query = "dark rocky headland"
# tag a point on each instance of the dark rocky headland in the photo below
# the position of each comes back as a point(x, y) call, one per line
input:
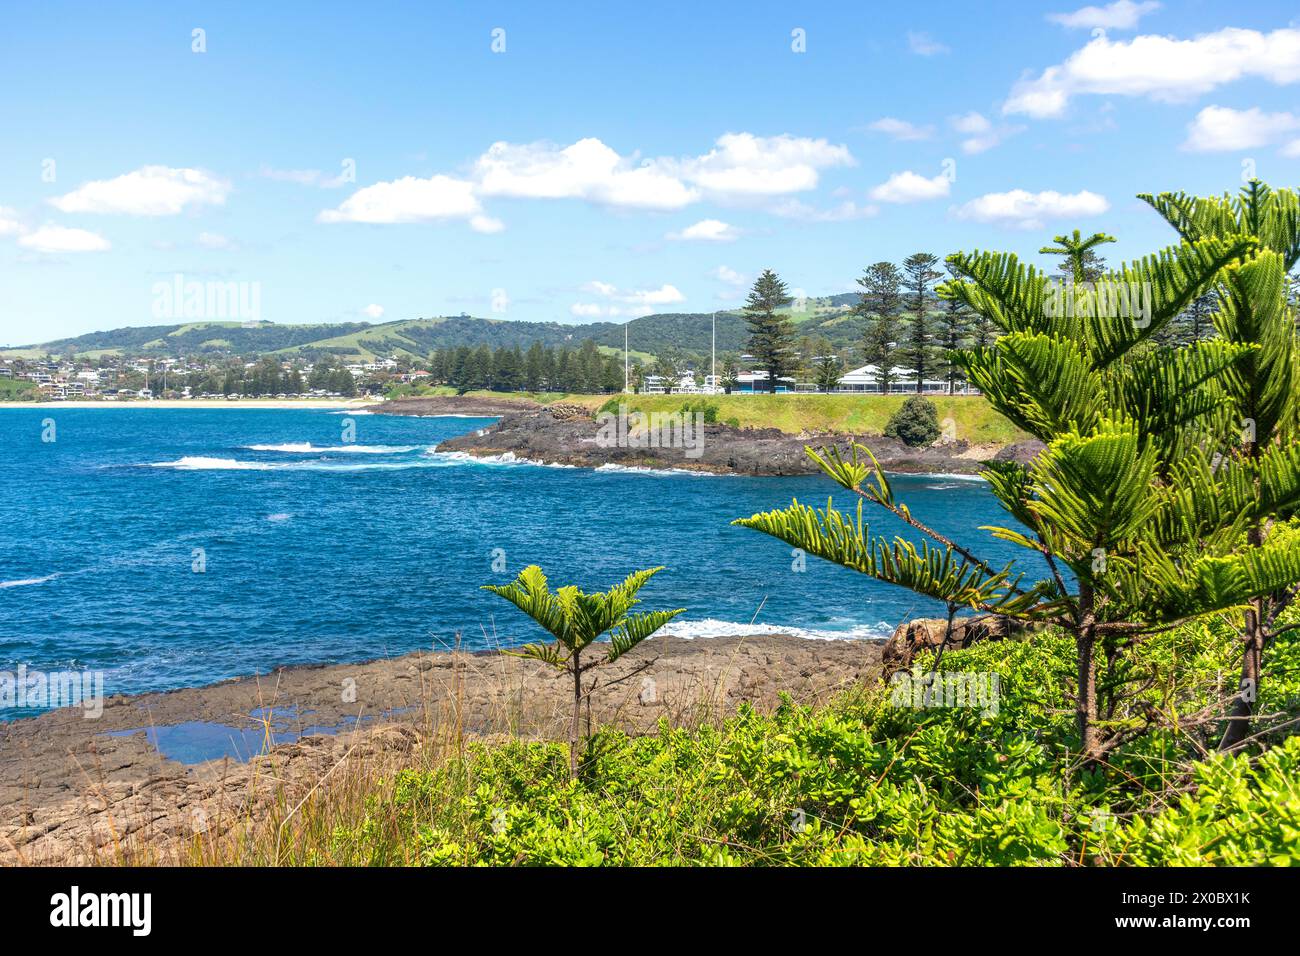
point(571, 435)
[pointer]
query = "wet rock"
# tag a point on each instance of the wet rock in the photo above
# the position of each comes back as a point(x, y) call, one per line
point(1021, 452)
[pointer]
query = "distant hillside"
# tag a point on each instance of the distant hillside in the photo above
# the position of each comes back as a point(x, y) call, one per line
point(193, 338)
point(417, 338)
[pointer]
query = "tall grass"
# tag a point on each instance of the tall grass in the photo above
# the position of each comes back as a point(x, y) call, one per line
point(287, 806)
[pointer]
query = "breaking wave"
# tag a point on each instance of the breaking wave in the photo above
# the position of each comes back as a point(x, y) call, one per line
point(711, 627)
point(307, 448)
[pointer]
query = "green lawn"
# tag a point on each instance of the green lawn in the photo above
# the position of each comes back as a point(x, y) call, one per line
point(976, 422)
point(14, 390)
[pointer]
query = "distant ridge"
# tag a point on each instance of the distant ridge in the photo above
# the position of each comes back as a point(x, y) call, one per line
point(691, 332)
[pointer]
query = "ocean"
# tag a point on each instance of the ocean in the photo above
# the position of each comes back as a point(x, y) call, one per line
point(179, 547)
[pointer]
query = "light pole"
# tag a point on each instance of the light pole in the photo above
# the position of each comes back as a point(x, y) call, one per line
point(715, 352)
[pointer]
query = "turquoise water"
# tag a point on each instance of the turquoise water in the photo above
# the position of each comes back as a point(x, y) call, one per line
point(318, 550)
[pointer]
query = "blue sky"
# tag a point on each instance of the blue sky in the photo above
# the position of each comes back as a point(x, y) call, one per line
point(363, 161)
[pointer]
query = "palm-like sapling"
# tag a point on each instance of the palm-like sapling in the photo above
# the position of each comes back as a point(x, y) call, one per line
point(576, 619)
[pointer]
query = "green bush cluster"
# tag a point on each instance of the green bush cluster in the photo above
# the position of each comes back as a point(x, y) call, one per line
point(915, 423)
point(704, 407)
point(862, 781)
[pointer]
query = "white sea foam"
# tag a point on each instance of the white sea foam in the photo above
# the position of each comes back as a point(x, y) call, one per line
point(936, 475)
point(279, 516)
point(505, 458)
point(205, 463)
point(302, 446)
point(23, 582)
point(307, 448)
point(640, 470)
point(711, 627)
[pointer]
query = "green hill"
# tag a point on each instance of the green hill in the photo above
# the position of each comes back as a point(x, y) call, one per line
point(194, 338)
point(689, 332)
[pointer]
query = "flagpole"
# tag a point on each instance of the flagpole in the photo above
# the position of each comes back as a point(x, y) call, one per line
point(625, 325)
point(715, 350)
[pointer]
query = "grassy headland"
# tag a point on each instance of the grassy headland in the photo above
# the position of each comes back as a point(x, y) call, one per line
point(796, 414)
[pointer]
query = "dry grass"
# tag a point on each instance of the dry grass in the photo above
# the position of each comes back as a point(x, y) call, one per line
point(284, 808)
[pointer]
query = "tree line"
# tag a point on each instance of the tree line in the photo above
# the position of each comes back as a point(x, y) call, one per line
point(907, 325)
point(1168, 488)
point(583, 369)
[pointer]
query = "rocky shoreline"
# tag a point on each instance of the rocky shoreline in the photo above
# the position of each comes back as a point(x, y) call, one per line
point(566, 437)
point(149, 776)
point(468, 405)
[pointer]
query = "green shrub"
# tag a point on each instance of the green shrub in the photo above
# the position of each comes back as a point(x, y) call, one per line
point(915, 423)
point(707, 409)
point(1238, 815)
point(861, 781)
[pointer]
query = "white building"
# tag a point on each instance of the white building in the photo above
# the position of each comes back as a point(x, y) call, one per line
point(655, 385)
point(754, 383)
point(901, 380)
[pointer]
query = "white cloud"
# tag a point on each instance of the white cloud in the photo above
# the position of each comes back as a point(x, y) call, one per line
point(908, 186)
point(215, 241)
point(729, 276)
point(374, 311)
point(803, 212)
point(63, 239)
point(972, 123)
point(740, 167)
point(707, 230)
point(412, 200)
point(632, 303)
point(305, 177)
point(148, 191)
point(664, 295)
point(1163, 68)
point(588, 170)
point(9, 224)
point(1221, 128)
point(981, 135)
point(1121, 15)
point(922, 44)
point(1020, 209)
point(900, 129)
point(733, 283)
point(744, 165)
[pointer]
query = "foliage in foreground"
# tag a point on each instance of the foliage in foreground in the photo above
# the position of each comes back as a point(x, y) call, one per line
point(576, 619)
point(1145, 506)
point(863, 782)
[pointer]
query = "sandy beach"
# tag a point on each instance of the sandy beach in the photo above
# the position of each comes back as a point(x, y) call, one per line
point(271, 403)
